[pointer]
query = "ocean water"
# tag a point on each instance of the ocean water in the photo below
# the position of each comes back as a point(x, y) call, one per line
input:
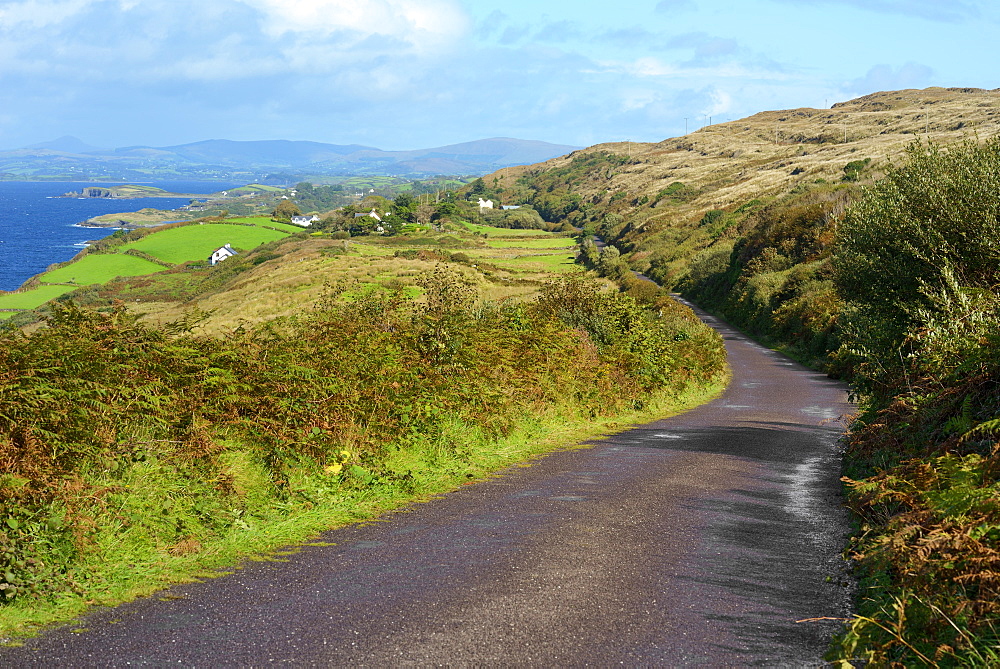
point(38, 228)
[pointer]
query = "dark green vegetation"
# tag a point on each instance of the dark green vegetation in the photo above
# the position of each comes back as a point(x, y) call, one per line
point(887, 276)
point(917, 261)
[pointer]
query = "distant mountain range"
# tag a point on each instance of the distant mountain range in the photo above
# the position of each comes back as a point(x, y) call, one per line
point(71, 158)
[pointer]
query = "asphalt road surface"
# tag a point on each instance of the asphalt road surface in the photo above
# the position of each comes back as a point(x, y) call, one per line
point(702, 539)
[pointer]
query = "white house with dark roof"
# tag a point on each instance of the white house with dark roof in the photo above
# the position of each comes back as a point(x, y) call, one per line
point(370, 214)
point(221, 253)
point(304, 221)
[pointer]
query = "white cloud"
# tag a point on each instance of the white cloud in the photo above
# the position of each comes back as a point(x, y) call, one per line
point(720, 102)
point(35, 14)
point(153, 42)
point(421, 23)
point(652, 67)
point(885, 78)
point(934, 10)
point(635, 100)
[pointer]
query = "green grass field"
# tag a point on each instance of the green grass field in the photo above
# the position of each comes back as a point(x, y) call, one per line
point(266, 222)
point(30, 299)
point(504, 232)
point(196, 242)
point(99, 268)
point(251, 188)
point(549, 262)
point(548, 243)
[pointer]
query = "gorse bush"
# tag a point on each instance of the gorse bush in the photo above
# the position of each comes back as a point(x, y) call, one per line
point(96, 407)
point(912, 246)
point(918, 263)
point(776, 281)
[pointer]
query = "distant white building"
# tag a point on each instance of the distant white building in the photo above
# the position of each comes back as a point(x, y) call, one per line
point(304, 221)
point(485, 204)
point(221, 254)
point(510, 207)
point(370, 214)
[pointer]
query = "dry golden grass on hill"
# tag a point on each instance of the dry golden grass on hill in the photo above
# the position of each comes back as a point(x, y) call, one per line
point(723, 165)
point(767, 153)
point(305, 269)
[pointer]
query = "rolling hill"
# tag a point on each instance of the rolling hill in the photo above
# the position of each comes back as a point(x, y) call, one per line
point(768, 153)
point(68, 157)
point(861, 239)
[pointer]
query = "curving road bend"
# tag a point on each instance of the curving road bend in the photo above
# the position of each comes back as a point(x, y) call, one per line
point(697, 540)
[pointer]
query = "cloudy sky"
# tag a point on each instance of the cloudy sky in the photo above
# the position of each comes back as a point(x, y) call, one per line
point(403, 74)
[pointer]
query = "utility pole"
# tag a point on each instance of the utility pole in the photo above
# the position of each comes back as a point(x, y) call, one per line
point(685, 125)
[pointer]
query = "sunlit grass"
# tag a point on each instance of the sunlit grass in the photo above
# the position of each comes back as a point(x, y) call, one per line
point(552, 262)
point(197, 242)
point(30, 299)
point(99, 268)
point(504, 232)
point(547, 243)
point(131, 567)
point(266, 222)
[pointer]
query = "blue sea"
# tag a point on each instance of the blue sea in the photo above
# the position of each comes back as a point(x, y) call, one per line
point(38, 228)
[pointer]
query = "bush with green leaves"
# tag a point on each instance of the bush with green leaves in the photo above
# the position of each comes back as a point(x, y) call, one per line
point(919, 242)
point(114, 433)
point(918, 263)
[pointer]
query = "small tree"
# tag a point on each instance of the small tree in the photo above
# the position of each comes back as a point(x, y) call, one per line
point(478, 188)
point(405, 207)
point(284, 211)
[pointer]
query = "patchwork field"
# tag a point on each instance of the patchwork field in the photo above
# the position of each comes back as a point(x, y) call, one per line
point(100, 267)
point(266, 222)
point(172, 246)
point(295, 272)
point(196, 242)
point(504, 232)
point(546, 243)
point(30, 299)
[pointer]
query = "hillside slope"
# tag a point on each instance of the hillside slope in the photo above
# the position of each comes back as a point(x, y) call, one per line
point(771, 152)
point(864, 240)
point(753, 202)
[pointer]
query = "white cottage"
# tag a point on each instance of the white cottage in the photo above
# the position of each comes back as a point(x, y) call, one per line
point(370, 214)
point(221, 254)
point(485, 204)
point(304, 221)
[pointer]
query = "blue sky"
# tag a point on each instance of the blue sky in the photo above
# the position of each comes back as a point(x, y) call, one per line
point(403, 74)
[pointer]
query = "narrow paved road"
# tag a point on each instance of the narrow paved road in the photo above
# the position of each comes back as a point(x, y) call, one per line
point(696, 540)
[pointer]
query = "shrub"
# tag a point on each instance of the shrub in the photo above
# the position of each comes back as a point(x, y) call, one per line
point(910, 247)
point(917, 262)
